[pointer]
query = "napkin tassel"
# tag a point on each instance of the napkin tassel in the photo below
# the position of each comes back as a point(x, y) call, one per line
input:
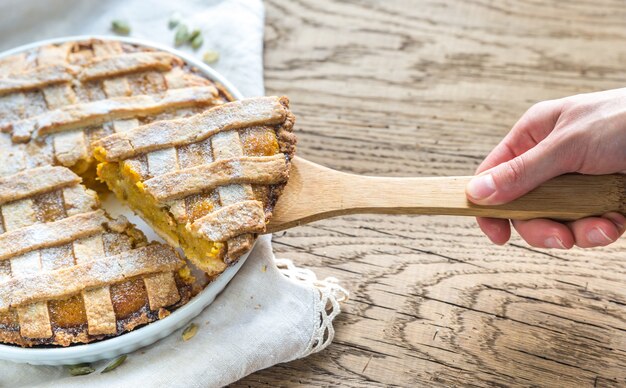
point(327, 307)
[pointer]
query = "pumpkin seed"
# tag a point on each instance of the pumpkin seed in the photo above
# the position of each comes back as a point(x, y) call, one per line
point(197, 42)
point(120, 27)
point(80, 369)
point(114, 364)
point(182, 35)
point(190, 331)
point(210, 57)
point(174, 21)
point(194, 34)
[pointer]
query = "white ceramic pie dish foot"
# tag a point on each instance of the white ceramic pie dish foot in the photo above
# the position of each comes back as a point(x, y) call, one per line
point(155, 331)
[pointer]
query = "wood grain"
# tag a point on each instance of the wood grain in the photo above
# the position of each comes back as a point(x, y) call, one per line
point(427, 88)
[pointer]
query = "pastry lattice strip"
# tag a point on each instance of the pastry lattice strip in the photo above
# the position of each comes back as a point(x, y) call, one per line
point(93, 113)
point(180, 132)
point(34, 319)
point(53, 69)
point(60, 283)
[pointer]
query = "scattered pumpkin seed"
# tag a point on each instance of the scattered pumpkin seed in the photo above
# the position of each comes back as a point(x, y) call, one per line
point(197, 42)
point(210, 57)
point(80, 369)
point(114, 364)
point(120, 27)
point(182, 35)
point(174, 21)
point(190, 331)
point(195, 33)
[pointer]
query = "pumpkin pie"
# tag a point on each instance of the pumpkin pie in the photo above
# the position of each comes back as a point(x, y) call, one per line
point(204, 171)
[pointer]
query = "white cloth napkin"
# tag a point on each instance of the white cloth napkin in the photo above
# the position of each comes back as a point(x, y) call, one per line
point(233, 28)
point(270, 312)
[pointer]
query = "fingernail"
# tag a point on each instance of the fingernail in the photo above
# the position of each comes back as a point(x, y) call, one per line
point(597, 236)
point(481, 187)
point(554, 242)
point(616, 219)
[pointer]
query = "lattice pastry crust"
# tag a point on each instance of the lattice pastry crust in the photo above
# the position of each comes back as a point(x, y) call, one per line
point(71, 274)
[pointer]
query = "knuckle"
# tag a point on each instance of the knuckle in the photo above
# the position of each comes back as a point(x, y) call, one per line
point(538, 107)
point(568, 103)
point(516, 169)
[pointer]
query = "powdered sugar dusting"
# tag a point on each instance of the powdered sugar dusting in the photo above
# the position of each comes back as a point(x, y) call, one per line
point(107, 270)
point(168, 133)
point(97, 112)
point(35, 181)
point(124, 63)
point(36, 78)
point(50, 234)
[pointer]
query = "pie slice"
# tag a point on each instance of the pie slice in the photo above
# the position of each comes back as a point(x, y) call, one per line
point(69, 273)
point(207, 183)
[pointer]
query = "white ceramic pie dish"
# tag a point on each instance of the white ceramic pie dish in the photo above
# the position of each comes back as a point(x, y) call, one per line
point(155, 331)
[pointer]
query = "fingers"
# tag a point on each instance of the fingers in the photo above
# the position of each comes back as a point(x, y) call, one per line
point(585, 233)
point(498, 231)
point(543, 233)
point(522, 161)
point(516, 177)
point(598, 231)
point(534, 126)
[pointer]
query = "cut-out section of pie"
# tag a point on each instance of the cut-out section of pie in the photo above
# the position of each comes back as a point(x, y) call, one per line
point(207, 183)
point(69, 273)
point(55, 100)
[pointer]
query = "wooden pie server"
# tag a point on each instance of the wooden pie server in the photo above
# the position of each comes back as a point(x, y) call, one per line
point(315, 192)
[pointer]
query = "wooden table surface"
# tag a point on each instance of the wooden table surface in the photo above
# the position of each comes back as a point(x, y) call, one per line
point(427, 88)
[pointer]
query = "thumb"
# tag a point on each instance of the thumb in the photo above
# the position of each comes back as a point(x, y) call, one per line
point(514, 178)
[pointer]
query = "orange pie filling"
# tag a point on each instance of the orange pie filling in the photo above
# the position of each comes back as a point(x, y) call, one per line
point(209, 256)
point(127, 185)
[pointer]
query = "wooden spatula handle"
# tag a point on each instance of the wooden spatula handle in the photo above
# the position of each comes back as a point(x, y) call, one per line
point(315, 192)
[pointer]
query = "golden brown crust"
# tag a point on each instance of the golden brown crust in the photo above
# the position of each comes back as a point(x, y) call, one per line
point(217, 174)
point(81, 335)
point(116, 65)
point(37, 78)
point(93, 113)
point(50, 80)
point(50, 234)
point(64, 282)
point(261, 170)
point(35, 181)
point(231, 221)
point(65, 259)
point(180, 132)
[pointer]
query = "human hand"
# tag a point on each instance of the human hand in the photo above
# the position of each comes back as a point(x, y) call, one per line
point(585, 133)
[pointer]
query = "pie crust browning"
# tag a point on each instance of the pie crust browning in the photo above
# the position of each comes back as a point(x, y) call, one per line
point(71, 274)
